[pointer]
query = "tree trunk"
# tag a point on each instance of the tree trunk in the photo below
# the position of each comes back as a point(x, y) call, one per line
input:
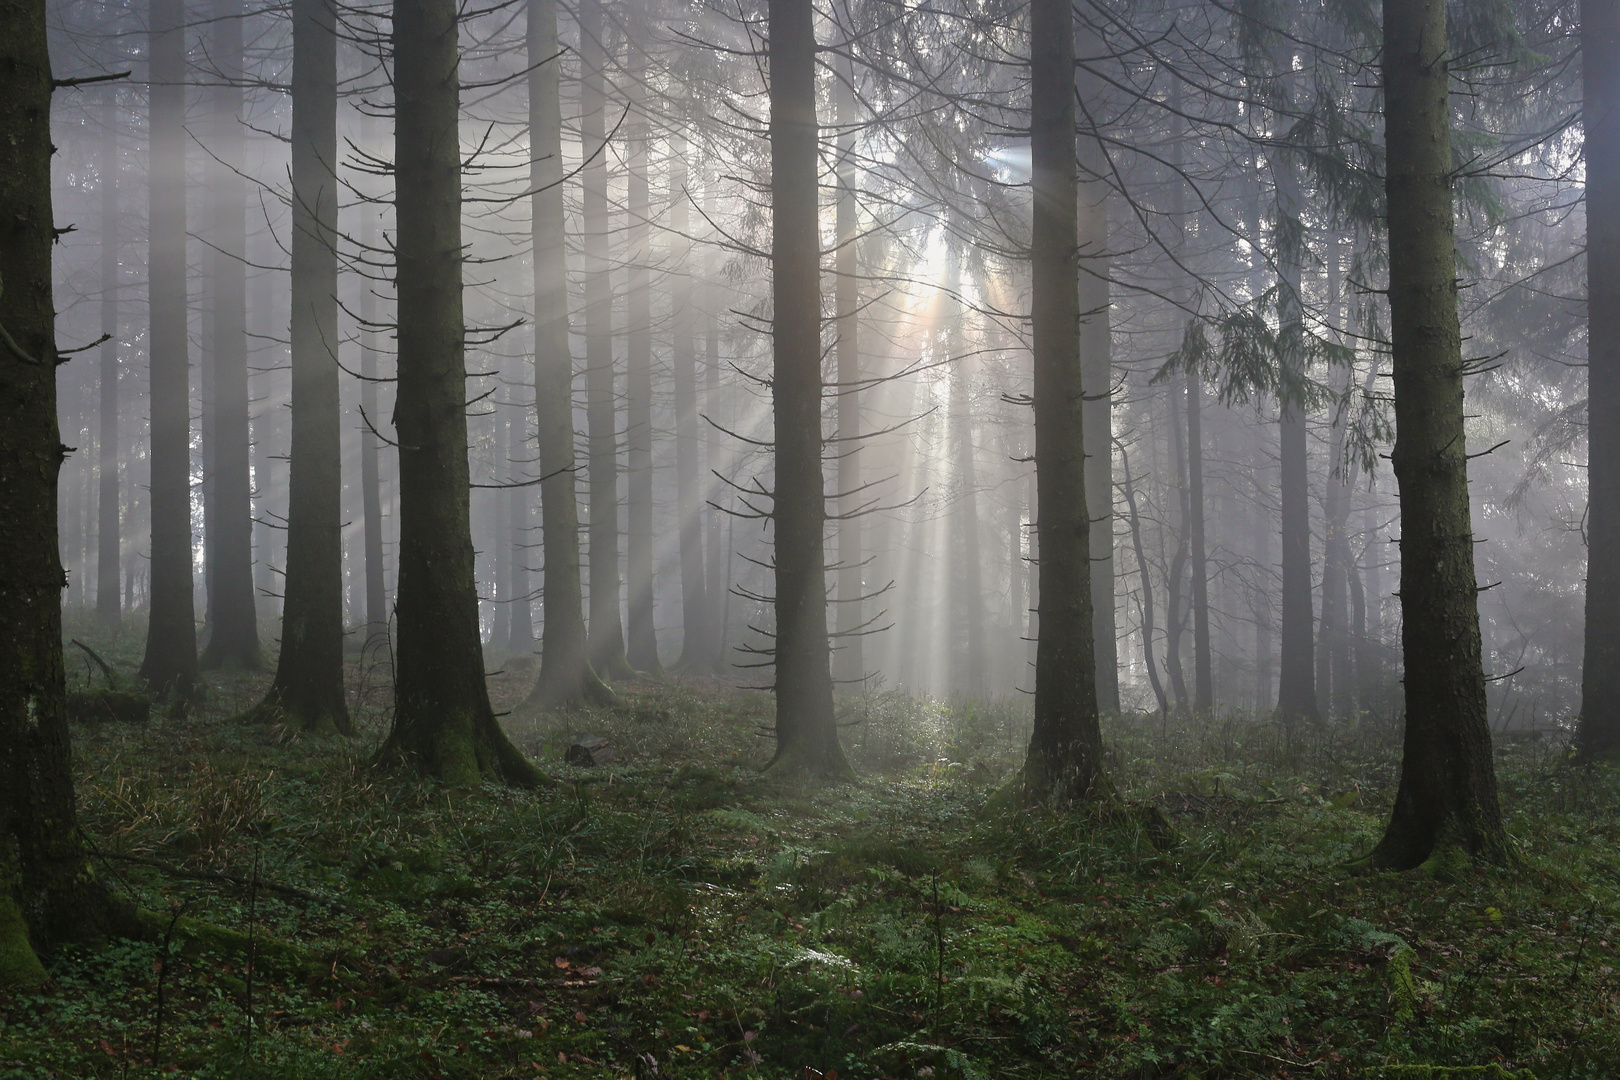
point(169, 667)
point(1203, 678)
point(696, 653)
point(1599, 733)
point(806, 736)
point(370, 445)
point(965, 576)
point(520, 629)
point(47, 894)
point(443, 723)
point(1147, 586)
point(849, 660)
point(1175, 614)
point(1064, 763)
point(565, 670)
point(109, 540)
point(1447, 789)
point(234, 622)
point(601, 415)
point(307, 692)
point(642, 644)
point(717, 540)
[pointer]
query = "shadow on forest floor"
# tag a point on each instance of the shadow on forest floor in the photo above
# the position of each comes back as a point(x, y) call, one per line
point(678, 914)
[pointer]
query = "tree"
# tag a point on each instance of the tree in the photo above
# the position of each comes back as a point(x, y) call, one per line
point(849, 662)
point(806, 735)
point(1599, 732)
point(1447, 789)
point(109, 543)
point(566, 676)
point(307, 692)
point(443, 723)
point(1064, 763)
point(642, 644)
point(233, 619)
point(170, 664)
point(47, 893)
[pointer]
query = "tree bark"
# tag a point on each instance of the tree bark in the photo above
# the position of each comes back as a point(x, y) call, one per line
point(642, 644)
point(169, 667)
point(1203, 679)
point(109, 538)
point(1598, 736)
point(233, 616)
point(696, 652)
point(1175, 613)
point(307, 692)
point(370, 444)
point(1447, 789)
point(1064, 762)
point(849, 659)
point(965, 576)
point(566, 676)
point(806, 735)
point(1147, 586)
point(443, 723)
point(47, 894)
point(520, 630)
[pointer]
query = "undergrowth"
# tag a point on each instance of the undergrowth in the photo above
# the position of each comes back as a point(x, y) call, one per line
point(679, 914)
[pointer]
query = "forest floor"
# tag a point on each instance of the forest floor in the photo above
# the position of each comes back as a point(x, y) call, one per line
point(677, 913)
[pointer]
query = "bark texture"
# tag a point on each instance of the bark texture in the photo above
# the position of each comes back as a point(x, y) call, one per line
point(109, 538)
point(849, 659)
point(642, 644)
point(1448, 779)
point(1599, 733)
point(806, 735)
point(443, 723)
point(169, 667)
point(307, 692)
point(1064, 763)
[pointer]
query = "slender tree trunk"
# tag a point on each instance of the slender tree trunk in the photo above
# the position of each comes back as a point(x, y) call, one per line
point(443, 723)
point(1016, 570)
point(307, 692)
point(1599, 733)
point(170, 664)
point(370, 444)
point(1203, 677)
point(642, 644)
point(966, 576)
point(1147, 585)
point(1064, 763)
point(1175, 615)
point(565, 669)
point(717, 541)
point(696, 651)
point(268, 449)
point(849, 661)
point(47, 893)
point(109, 539)
point(1264, 671)
point(234, 622)
point(520, 631)
point(602, 439)
point(1447, 788)
point(806, 736)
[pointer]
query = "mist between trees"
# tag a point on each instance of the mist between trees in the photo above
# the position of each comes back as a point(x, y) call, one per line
point(1151, 360)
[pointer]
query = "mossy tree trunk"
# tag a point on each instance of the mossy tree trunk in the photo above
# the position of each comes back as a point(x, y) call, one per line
point(566, 676)
point(47, 895)
point(1447, 789)
point(443, 723)
point(1599, 732)
point(806, 734)
point(169, 666)
point(307, 693)
point(1064, 763)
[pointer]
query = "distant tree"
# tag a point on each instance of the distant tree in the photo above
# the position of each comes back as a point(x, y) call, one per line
point(47, 893)
point(443, 723)
point(109, 535)
point(1064, 764)
point(1447, 789)
point(1599, 732)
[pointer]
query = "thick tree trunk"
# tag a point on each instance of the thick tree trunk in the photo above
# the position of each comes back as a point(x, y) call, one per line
point(601, 413)
point(170, 664)
point(47, 894)
point(307, 692)
point(443, 723)
point(1447, 789)
point(849, 659)
point(1064, 763)
point(565, 669)
point(1599, 733)
point(806, 735)
point(233, 616)
point(109, 537)
point(1203, 678)
point(696, 652)
point(642, 644)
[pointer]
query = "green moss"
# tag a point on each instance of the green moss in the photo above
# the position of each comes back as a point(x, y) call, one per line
point(1401, 986)
point(19, 966)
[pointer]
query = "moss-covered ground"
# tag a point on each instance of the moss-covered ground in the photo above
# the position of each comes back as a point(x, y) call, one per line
point(678, 914)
